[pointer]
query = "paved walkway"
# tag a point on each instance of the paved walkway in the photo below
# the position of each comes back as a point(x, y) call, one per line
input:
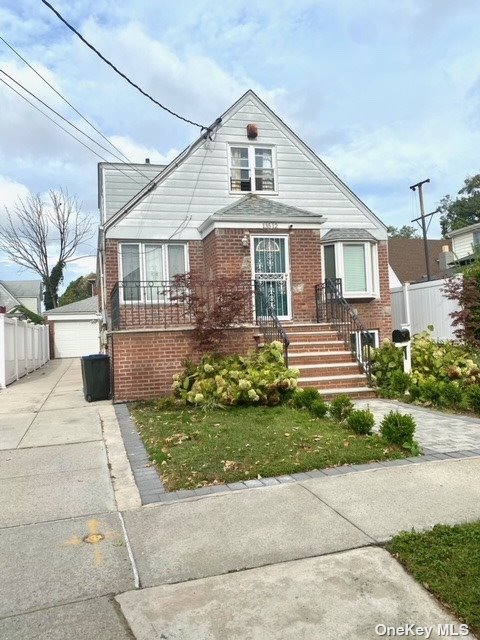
point(81, 559)
point(436, 431)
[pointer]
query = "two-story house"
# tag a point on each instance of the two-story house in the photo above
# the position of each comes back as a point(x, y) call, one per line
point(247, 199)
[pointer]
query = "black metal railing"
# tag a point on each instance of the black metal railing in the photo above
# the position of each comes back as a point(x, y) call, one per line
point(166, 304)
point(333, 308)
point(268, 321)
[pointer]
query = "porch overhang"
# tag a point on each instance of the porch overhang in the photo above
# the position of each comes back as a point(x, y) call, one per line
point(255, 212)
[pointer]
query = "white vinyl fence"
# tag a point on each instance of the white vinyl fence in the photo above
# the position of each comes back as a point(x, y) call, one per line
point(24, 347)
point(422, 304)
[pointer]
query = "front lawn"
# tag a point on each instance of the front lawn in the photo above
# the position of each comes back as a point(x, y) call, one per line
point(193, 448)
point(446, 561)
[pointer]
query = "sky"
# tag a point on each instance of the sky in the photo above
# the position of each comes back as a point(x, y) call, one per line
point(386, 93)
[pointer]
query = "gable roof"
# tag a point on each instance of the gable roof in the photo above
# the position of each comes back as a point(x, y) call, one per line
point(249, 95)
point(88, 305)
point(407, 258)
point(23, 288)
point(254, 205)
point(7, 300)
point(253, 208)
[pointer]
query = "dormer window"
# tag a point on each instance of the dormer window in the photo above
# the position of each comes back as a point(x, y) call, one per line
point(252, 169)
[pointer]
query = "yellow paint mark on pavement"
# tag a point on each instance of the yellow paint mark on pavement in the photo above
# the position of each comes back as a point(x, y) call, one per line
point(93, 538)
point(92, 526)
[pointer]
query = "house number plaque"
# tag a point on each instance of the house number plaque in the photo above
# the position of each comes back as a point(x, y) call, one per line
point(270, 225)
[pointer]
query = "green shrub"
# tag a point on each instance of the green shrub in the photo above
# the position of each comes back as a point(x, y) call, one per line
point(473, 398)
point(387, 364)
point(258, 378)
point(453, 395)
point(304, 398)
point(341, 407)
point(443, 361)
point(441, 371)
point(398, 428)
point(319, 408)
point(361, 421)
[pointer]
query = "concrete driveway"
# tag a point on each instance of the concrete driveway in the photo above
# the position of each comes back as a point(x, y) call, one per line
point(81, 559)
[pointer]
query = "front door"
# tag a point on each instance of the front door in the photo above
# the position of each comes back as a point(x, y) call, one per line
point(271, 272)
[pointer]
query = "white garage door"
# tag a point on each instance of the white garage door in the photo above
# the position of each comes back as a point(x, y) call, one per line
point(75, 338)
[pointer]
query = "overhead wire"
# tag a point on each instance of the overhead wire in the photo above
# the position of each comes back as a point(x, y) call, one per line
point(120, 73)
point(64, 99)
point(64, 129)
point(59, 115)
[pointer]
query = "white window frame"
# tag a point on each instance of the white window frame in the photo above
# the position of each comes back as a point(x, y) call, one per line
point(141, 251)
point(371, 268)
point(251, 166)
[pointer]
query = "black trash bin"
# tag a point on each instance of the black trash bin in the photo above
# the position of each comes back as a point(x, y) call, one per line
point(96, 376)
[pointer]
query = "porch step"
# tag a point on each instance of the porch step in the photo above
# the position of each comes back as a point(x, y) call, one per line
point(332, 380)
point(329, 370)
point(324, 357)
point(320, 332)
point(318, 345)
point(355, 393)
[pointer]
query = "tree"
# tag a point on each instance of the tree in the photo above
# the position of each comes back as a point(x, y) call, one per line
point(38, 235)
point(78, 289)
point(463, 211)
point(465, 291)
point(402, 232)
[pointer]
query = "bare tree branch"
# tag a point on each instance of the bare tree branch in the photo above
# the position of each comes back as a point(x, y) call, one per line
point(35, 227)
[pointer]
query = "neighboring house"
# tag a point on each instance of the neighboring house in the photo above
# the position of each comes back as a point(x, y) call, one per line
point(74, 329)
point(249, 199)
point(407, 259)
point(21, 292)
point(465, 243)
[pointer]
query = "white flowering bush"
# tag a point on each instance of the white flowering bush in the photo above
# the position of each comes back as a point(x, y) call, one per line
point(257, 378)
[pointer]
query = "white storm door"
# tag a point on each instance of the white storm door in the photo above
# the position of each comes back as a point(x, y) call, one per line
point(271, 270)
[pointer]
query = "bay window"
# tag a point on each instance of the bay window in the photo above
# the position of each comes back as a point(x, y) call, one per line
point(144, 267)
point(252, 169)
point(355, 264)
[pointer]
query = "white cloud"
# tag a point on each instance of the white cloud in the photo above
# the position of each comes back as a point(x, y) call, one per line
point(138, 153)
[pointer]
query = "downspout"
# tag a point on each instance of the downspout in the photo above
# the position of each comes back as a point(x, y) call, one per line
point(101, 255)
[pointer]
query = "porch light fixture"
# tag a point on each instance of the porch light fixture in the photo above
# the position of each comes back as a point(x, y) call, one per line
point(246, 241)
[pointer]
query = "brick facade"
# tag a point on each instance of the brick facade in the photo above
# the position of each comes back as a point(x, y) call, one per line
point(144, 361)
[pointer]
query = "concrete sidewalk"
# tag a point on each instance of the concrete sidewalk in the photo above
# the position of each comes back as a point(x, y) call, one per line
point(80, 559)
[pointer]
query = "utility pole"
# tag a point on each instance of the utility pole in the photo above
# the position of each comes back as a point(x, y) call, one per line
point(423, 224)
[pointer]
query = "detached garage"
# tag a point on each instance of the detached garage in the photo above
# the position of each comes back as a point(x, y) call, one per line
point(74, 329)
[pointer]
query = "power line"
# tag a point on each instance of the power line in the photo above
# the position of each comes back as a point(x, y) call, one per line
point(63, 128)
point(110, 64)
point(65, 99)
point(59, 115)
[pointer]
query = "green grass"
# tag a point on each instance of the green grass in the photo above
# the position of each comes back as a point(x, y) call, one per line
point(193, 448)
point(446, 561)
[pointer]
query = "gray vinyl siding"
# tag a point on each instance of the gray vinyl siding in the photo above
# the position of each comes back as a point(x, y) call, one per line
point(199, 186)
point(119, 183)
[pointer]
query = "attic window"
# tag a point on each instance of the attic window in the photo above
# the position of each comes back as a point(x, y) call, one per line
point(252, 169)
